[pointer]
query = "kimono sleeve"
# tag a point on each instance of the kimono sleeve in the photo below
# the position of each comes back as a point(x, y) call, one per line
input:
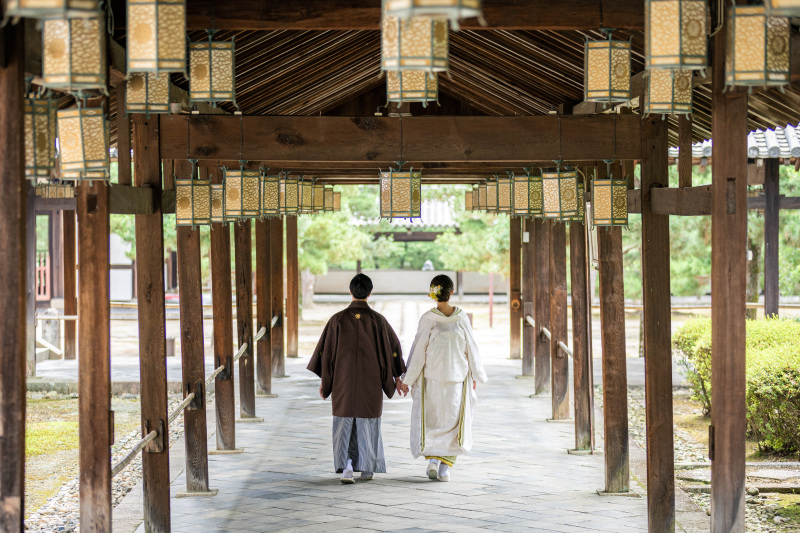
point(398, 366)
point(323, 357)
point(473, 356)
point(416, 358)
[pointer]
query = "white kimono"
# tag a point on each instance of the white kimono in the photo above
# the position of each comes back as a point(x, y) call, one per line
point(442, 365)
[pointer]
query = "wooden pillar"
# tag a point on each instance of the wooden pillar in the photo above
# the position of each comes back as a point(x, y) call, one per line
point(244, 316)
point(263, 307)
point(276, 273)
point(190, 290)
point(772, 172)
point(224, 401)
point(30, 277)
point(56, 248)
point(123, 137)
point(657, 331)
point(541, 305)
point(515, 281)
point(728, 284)
point(152, 328)
point(581, 363)
point(13, 283)
point(615, 379)
point(292, 289)
point(94, 364)
point(559, 385)
point(685, 151)
point(70, 287)
point(528, 289)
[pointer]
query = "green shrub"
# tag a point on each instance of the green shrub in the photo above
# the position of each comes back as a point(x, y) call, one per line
point(693, 342)
point(773, 408)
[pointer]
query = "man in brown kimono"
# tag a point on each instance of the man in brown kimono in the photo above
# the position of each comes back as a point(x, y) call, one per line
point(359, 359)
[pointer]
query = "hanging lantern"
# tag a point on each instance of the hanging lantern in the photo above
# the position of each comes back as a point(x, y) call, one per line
point(39, 9)
point(482, 196)
point(528, 195)
point(156, 36)
point(289, 195)
point(412, 86)
point(419, 43)
point(468, 201)
point(505, 194)
point(83, 143)
point(147, 92)
point(491, 197)
point(270, 195)
point(74, 54)
point(758, 48)
point(242, 198)
point(560, 193)
point(610, 202)
point(475, 192)
point(668, 92)
point(401, 193)
point(306, 192)
point(218, 203)
point(581, 216)
point(451, 9)
point(329, 198)
point(337, 201)
point(40, 137)
point(318, 196)
point(192, 201)
point(675, 34)
point(607, 70)
point(782, 8)
point(211, 71)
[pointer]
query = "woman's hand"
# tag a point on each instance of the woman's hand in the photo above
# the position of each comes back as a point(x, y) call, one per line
point(402, 388)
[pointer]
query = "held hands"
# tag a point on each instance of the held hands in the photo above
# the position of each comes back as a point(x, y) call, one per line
point(402, 388)
point(474, 384)
point(320, 392)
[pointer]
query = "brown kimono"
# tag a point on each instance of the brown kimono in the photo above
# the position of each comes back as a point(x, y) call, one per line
point(358, 358)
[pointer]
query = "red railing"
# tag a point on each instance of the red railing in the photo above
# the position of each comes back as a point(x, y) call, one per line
point(42, 276)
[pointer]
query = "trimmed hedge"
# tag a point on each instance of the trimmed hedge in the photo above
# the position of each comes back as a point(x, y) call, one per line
point(772, 371)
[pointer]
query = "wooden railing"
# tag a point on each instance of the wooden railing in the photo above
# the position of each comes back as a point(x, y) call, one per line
point(546, 332)
point(42, 276)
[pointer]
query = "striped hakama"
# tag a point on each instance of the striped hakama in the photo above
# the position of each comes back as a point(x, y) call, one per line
point(358, 439)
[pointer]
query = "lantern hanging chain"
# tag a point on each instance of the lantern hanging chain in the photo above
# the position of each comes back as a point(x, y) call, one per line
point(720, 22)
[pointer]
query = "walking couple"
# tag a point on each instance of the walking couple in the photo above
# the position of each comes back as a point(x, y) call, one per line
point(359, 358)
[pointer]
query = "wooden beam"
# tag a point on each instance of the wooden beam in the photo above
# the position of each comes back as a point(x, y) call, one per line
point(559, 382)
point(94, 363)
point(528, 290)
point(728, 284)
point(772, 174)
point(243, 246)
point(152, 326)
point(223, 329)
point(292, 289)
point(515, 281)
point(581, 355)
point(541, 306)
point(380, 141)
point(13, 282)
point(657, 331)
point(689, 201)
point(70, 285)
point(190, 291)
point(784, 202)
point(263, 306)
point(276, 275)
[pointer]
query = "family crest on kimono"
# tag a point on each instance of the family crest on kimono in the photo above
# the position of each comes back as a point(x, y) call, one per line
point(359, 359)
point(442, 370)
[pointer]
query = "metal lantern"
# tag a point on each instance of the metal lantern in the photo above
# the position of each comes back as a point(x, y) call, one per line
point(242, 199)
point(528, 195)
point(468, 200)
point(401, 193)
point(83, 143)
point(610, 202)
point(337, 201)
point(420, 43)
point(211, 71)
point(40, 137)
point(783, 8)
point(607, 68)
point(218, 203)
point(581, 216)
point(560, 193)
point(318, 196)
point(156, 36)
point(412, 86)
point(482, 197)
point(50, 8)
point(505, 194)
point(74, 57)
point(146, 92)
point(475, 198)
point(669, 92)
point(491, 196)
point(289, 195)
point(451, 9)
point(192, 202)
point(306, 196)
point(675, 34)
point(758, 48)
point(270, 195)
point(329, 198)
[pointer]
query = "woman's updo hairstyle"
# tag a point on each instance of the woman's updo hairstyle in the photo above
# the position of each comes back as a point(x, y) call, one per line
point(441, 288)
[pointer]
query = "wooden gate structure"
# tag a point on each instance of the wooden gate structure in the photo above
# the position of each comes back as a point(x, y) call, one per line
point(308, 84)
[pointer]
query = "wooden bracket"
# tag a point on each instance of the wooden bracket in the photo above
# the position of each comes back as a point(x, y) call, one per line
point(226, 372)
point(198, 402)
point(157, 445)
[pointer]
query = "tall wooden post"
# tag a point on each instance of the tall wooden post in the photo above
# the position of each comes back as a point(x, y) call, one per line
point(263, 306)
point(615, 379)
point(292, 289)
point(528, 289)
point(244, 316)
point(685, 151)
point(13, 282)
point(657, 331)
point(515, 282)
point(276, 273)
point(190, 289)
point(581, 363)
point(772, 173)
point(56, 248)
point(728, 284)
point(224, 401)
point(559, 385)
point(541, 306)
point(70, 287)
point(152, 329)
point(123, 136)
point(30, 277)
point(94, 363)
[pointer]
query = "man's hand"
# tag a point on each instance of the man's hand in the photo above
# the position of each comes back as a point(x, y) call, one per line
point(320, 392)
point(474, 384)
point(402, 388)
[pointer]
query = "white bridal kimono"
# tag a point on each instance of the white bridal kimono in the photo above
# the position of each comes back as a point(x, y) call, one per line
point(442, 365)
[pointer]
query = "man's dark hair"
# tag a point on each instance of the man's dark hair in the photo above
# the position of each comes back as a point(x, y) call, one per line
point(360, 287)
point(445, 285)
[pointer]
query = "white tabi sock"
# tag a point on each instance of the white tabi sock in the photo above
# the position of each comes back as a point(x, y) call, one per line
point(444, 470)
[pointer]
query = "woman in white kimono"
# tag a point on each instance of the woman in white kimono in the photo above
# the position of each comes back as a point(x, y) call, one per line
point(443, 368)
